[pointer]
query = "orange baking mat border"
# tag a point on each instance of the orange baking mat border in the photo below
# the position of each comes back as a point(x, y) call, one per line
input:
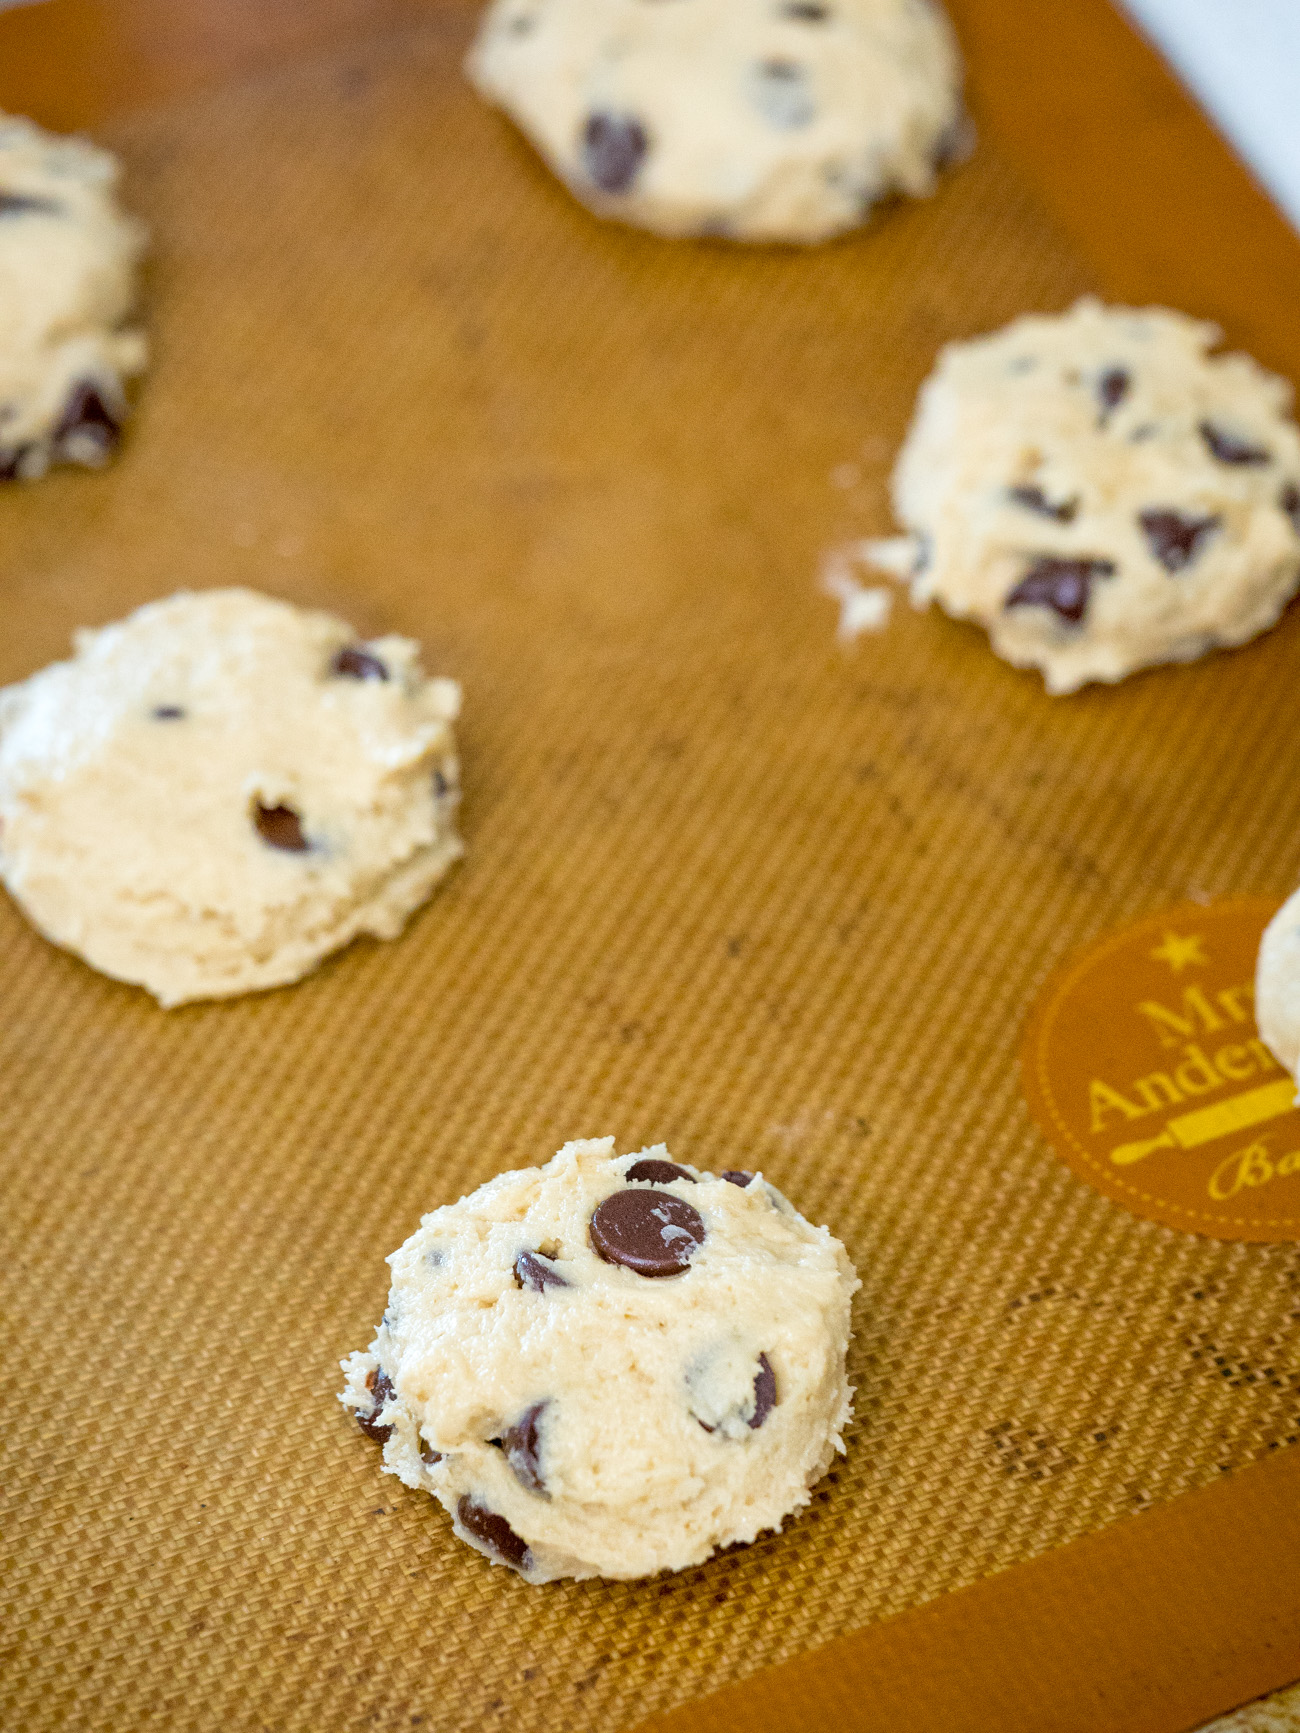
point(1152, 1625)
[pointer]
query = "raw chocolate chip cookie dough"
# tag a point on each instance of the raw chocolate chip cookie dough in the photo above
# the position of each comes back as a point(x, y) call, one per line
point(611, 1365)
point(763, 120)
point(1277, 985)
point(67, 284)
point(1101, 493)
point(218, 791)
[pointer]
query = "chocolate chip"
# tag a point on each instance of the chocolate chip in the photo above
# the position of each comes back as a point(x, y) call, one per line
point(11, 463)
point(1174, 539)
point(534, 1271)
point(494, 1531)
point(955, 143)
point(737, 1176)
point(1034, 499)
point(658, 1172)
point(699, 1384)
point(167, 713)
point(89, 430)
point(1229, 449)
point(524, 1450)
point(650, 1232)
point(1290, 503)
point(358, 665)
point(428, 1455)
point(1112, 389)
point(1063, 585)
point(281, 827)
point(782, 95)
point(613, 146)
point(441, 787)
point(805, 12)
point(764, 1392)
point(24, 204)
point(381, 1391)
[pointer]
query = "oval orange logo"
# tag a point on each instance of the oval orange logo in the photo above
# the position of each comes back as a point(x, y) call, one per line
point(1144, 1069)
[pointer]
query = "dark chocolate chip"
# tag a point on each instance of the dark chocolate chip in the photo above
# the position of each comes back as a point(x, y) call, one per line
point(613, 146)
point(1034, 499)
point(650, 1232)
point(358, 665)
point(523, 1448)
point(24, 204)
point(805, 12)
point(281, 827)
point(1062, 585)
point(954, 144)
point(1230, 450)
point(428, 1455)
point(534, 1271)
point(11, 463)
point(1290, 503)
point(658, 1172)
point(494, 1531)
point(167, 713)
point(381, 1391)
point(737, 1176)
point(88, 430)
point(1112, 389)
point(1174, 539)
point(441, 787)
point(764, 1391)
point(782, 94)
point(764, 1397)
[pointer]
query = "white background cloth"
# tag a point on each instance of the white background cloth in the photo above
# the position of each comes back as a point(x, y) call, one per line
point(1242, 59)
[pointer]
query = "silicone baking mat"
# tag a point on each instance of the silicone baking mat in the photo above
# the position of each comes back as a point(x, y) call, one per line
point(728, 886)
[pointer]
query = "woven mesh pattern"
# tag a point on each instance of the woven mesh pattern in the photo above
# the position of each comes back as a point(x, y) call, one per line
point(726, 887)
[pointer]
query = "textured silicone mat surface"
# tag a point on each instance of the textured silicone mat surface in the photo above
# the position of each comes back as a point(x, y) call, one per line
point(728, 887)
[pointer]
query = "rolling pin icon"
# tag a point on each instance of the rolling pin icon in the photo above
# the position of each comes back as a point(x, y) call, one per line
point(1221, 1120)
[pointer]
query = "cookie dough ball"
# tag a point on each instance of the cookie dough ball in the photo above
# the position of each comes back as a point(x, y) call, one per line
point(67, 284)
point(1101, 493)
point(764, 120)
point(218, 791)
point(1277, 985)
point(611, 1365)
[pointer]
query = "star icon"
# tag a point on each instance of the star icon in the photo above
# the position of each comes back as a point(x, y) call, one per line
point(1180, 952)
